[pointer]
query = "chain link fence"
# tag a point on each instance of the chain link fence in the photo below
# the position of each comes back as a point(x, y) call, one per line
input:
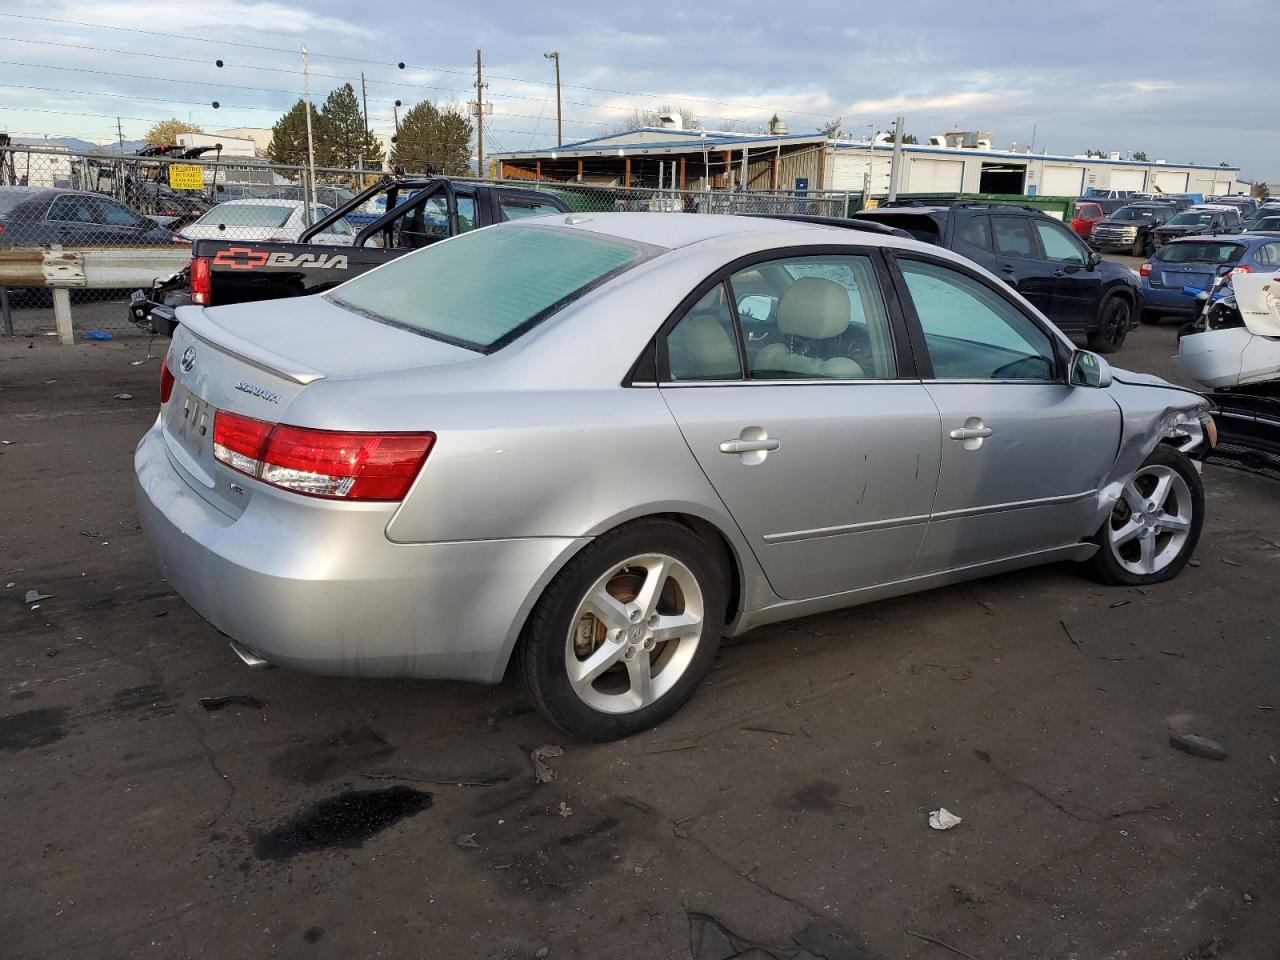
point(56, 199)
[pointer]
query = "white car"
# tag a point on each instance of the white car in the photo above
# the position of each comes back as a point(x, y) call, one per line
point(266, 219)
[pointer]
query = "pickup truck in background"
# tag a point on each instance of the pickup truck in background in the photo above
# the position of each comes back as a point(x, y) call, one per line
point(418, 213)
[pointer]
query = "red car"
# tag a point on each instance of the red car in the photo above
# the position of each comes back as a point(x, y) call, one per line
point(1087, 214)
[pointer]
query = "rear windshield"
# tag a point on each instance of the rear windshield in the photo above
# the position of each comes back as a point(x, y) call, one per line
point(246, 215)
point(1200, 251)
point(1133, 213)
point(10, 199)
point(1086, 211)
point(1191, 219)
point(920, 225)
point(482, 289)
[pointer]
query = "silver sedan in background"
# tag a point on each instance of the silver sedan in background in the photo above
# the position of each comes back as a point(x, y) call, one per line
point(588, 446)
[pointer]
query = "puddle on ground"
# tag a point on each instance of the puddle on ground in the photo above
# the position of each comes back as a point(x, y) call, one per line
point(346, 820)
point(33, 728)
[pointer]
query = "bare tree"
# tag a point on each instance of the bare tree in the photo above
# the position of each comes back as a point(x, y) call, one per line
point(651, 118)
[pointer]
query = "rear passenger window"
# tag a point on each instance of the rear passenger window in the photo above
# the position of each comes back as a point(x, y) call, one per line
point(1268, 255)
point(1013, 236)
point(73, 209)
point(814, 318)
point(703, 346)
point(976, 232)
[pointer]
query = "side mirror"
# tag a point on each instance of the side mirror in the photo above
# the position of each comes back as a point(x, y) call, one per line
point(1095, 258)
point(1087, 369)
point(758, 306)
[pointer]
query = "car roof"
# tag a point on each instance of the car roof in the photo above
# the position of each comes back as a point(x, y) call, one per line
point(1210, 206)
point(674, 230)
point(260, 202)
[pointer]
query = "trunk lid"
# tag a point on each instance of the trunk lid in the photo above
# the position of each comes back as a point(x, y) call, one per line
point(256, 360)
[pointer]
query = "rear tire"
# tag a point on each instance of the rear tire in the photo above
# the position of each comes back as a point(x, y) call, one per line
point(1114, 318)
point(1155, 525)
point(625, 633)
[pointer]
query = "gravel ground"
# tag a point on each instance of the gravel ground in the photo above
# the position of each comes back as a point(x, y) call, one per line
point(339, 818)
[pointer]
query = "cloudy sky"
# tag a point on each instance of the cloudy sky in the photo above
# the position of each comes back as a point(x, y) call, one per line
point(1179, 80)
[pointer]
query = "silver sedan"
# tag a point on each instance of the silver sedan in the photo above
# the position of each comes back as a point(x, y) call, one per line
point(587, 447)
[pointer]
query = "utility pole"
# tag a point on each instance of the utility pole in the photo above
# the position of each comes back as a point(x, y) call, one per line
point(479, 119)
point(555, 55)
point(364, 98)
point(896, 165)
point(309, 194)
point(120, 134)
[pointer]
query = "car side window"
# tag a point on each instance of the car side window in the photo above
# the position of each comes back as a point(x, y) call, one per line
point(703, 345)
point(118, 215)
point(1013, 237)
point(972, 333)
point(976, 232)
point(514, 208)
point(1268, 255)
point(806, 318)
point(1058, 244)
point(73, 209)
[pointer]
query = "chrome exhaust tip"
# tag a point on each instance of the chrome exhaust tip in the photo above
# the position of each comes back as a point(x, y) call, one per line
point(251, 659)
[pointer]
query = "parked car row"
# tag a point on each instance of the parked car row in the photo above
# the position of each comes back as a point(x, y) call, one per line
point(1194, 262)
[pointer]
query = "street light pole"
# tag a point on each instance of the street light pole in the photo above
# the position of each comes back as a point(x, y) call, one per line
point(555, 55)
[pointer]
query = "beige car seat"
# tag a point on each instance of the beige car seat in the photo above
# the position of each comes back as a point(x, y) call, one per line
point(812, 308)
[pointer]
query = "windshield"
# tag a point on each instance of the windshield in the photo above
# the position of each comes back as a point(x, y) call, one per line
point(1190, 219)
point(1200, 251)
point(1132, 214)
point(1266, 223)
point(484, 288)
point(246, 215)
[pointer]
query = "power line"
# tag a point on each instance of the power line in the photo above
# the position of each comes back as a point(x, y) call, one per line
point(401, 65)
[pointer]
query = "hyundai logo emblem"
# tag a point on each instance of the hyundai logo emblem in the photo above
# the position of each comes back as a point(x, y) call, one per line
point(188, 359)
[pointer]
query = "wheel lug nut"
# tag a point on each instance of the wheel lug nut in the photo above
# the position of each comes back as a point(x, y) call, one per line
point(630, 654)
point(619, 635)
point(649, 643)
point(653, 620)
point(635, 615)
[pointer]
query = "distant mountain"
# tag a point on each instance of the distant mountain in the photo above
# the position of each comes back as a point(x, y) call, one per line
point(82, 146)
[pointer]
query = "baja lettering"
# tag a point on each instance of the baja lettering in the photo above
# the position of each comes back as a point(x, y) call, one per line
point(306, 261)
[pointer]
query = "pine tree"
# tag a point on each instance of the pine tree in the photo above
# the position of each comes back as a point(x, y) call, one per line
point(346, 139)
point(289, 136)
point(434, 140)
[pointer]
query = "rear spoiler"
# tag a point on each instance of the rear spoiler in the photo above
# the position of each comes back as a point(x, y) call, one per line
point(200, 326)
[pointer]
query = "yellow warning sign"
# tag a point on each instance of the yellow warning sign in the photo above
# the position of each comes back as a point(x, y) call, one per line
point(186, 176)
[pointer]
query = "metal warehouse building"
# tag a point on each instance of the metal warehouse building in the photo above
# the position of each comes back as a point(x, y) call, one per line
point(672, 158)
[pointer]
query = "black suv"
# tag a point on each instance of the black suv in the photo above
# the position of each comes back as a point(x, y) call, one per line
point(1039, 257)
point(1132, 228)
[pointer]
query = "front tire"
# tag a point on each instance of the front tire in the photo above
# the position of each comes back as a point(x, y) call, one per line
point(625, 633)
point(1114, 317)
point(1155, 525)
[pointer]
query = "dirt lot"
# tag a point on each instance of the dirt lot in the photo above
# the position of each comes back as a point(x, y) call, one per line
point(792, 793)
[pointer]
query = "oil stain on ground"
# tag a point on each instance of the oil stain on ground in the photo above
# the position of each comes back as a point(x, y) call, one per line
point(33, 728)
point(347, 820)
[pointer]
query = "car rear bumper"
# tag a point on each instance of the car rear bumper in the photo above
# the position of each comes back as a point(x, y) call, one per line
point(316, 586)
point(1169, 301)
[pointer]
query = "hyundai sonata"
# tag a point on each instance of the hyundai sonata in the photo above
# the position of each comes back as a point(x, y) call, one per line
point(586, 447)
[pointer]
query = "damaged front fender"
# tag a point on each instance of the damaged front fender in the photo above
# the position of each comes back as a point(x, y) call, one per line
point(1153, 412)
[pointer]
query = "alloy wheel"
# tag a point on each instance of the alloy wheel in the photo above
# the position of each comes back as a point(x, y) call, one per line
point(1151, 521)
point(634, 634)
point(1115, 322)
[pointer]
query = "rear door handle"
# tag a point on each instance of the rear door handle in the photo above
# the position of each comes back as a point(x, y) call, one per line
point(1007, 268)
point(749, 446)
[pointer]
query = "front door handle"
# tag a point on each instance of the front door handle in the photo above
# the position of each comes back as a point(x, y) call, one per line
point(749, 446)
point(973, 434)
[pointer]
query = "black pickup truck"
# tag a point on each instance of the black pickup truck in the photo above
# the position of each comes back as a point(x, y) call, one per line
point(418, 213)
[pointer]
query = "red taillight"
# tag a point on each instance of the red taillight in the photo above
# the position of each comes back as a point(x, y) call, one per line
point(1144, 270)
point(321, 463)
point(166, 383)
point(1241, 269)
point(200, 280)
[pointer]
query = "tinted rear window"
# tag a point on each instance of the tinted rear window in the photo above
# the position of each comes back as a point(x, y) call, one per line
point(482, 289)
point(1200, 251)
point(246, 215)
point(10, 199)
point(918, 225)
